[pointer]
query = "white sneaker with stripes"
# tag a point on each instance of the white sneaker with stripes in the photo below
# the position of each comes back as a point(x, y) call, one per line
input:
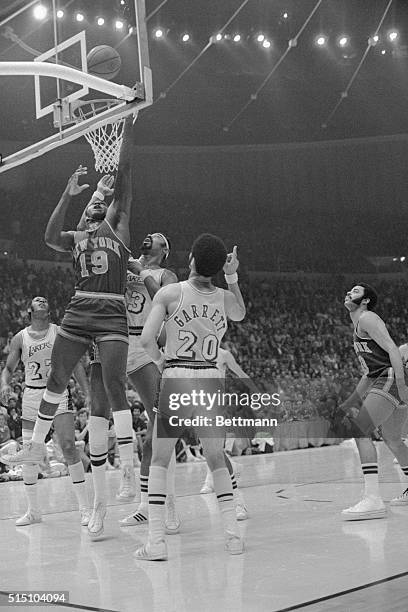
point(127, 489)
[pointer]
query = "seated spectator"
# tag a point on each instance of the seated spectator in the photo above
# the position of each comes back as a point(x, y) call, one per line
point(7, 445)
point(15, 425)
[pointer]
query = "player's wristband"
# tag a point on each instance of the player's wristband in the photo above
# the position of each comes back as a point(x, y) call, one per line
point(144, 274)
point(98, 194)
point(231, 279)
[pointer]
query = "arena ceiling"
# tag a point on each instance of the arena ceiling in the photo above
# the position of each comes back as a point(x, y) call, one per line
point(234, 92)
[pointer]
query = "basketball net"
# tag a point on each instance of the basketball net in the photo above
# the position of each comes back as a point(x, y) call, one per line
point(105, 140)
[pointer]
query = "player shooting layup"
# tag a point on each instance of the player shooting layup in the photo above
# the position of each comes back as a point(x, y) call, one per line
point(97, 311)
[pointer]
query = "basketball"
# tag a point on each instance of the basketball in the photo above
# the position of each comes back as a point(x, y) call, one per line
point(104, 61)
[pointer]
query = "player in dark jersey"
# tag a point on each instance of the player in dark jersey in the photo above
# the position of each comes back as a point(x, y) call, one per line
point(380, 398)
point(97, 311)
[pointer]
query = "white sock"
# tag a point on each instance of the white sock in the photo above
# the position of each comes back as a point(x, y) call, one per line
point(76, 471)
point(124, 434)
point(98, 445)
point(144, 489)
point(157, 500)
point(42, 426)
point(209, 478)
point(30, 477)
point(371, 482)
point(171, 475)
point(225, 498)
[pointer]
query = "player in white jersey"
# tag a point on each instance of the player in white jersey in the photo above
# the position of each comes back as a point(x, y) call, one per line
point(33, 346)
point(226, 361)
point(195, 314)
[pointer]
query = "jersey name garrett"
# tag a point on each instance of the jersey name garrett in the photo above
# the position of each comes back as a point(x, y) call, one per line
point(201, 311)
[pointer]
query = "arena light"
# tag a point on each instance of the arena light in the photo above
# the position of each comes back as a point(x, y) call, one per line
point(285, 15)
point(60, 14)
point(260, 38)
point(237, 38)
point(266, 44)
point(376, 38)
point(218, 37)
point(402, 259)
point(185, 37)
point(321, 40)
point(40, 11)
point(383, 52)
point(393, 35)
point(343, 41)
point(100, 21)
point(79, 17)
point(119, 24)
point(158, 33)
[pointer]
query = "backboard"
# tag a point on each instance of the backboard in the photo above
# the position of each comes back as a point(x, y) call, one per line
point(50, 60)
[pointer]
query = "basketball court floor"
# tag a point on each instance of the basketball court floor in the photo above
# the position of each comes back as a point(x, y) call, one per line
point(299, 554)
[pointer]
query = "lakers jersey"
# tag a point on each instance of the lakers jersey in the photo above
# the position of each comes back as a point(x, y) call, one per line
point(138, 300)
point(195, 329)
point(100, 261)
point(36, 357)
point(374, 360)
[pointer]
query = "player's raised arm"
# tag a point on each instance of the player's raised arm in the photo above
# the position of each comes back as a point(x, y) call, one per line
point(119, 211)
point(103, 189)
point(151, 284)
point(234, 302)
point(12, 360)
point(55, 237)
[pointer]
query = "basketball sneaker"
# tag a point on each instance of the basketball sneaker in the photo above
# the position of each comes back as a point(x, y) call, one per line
point(234, 544)
point(127, 489)
point(368, 508)
point(86, 514)
point(208, 486)
point(152, 552)
point(140, 517)
point(29, 518)
point(172, 521)
point(32, 452)
point(401, 500)
point(241, 512)
point(95, 525)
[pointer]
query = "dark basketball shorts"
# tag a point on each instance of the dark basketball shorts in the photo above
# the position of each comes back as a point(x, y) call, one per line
point(386, 386)
point(95, 317)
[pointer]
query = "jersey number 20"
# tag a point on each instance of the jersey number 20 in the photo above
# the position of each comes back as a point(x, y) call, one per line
point(209, 347)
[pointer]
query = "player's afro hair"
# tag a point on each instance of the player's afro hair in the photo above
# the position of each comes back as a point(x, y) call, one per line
point(210, 254)
point(371, 294)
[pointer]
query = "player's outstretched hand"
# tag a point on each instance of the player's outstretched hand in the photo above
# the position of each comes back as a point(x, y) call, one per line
point(134, 265)
point(105, 185)
point(232, 263)
point(73, 187)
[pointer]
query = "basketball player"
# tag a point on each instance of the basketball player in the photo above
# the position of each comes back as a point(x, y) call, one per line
point(195, 315)
point(226, 361)
point(33, 346)
point(96, 312)
point(380, 398)
point(144, 278)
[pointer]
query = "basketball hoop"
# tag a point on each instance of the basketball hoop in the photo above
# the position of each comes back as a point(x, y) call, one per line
point(105, 139)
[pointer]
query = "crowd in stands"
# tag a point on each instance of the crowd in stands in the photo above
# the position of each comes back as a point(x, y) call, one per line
point(296, 341)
